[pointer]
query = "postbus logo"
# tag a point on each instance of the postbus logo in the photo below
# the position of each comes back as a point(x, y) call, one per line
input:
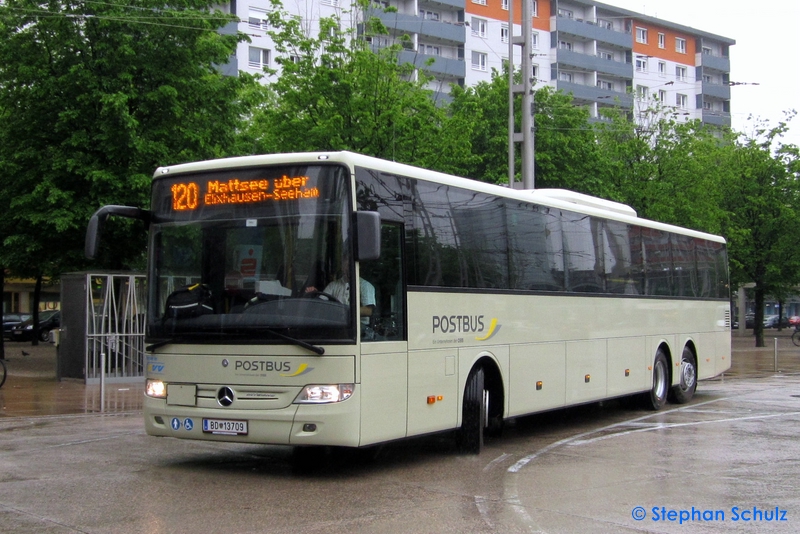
point(285, 369)
point(466, 324)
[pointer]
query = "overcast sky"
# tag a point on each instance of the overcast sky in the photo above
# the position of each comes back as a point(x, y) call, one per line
point(766, 52)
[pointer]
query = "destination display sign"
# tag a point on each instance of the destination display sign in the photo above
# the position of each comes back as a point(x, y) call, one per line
point(191, 195)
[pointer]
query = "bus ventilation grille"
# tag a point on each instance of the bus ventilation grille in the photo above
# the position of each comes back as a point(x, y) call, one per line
point(727, 319)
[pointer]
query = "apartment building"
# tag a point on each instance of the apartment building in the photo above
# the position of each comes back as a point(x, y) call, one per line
point(605, 56)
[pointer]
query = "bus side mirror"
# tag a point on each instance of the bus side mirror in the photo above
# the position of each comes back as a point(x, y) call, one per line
point(368, 235)
point(95, 226)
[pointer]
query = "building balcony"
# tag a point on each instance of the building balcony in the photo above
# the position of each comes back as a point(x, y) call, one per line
point(718, 118)
point(717, 63)
point(595, 94)
point(715, 90)
point(454, 4)
point(592, 31)
point(441, 67)
point(430, 30)
point(586, 62)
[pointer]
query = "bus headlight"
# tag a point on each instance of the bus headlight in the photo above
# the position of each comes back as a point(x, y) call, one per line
point(155, 388)
point(323, 394)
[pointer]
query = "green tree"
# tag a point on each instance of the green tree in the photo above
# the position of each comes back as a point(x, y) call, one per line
point(564, 145)
point(667, 170)
point(762, 204)
point(94, 96)
point(335, 93)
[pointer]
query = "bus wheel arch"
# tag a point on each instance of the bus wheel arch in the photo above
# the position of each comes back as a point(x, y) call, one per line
point(482, 406)
point(656, 398)
point(683, 391)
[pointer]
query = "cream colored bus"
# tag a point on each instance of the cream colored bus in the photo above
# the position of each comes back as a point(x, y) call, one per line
point(476, 303)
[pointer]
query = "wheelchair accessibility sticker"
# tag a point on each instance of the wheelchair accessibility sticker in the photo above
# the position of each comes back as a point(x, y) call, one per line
point(187, 423)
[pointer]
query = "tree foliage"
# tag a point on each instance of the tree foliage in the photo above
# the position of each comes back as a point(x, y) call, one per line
point(762, 205)
point(335, 92)
point(94, 96)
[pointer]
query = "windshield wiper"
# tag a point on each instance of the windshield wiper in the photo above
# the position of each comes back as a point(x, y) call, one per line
point(299, 342)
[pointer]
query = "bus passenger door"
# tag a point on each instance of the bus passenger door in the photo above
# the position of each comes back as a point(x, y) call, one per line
point(384, 345)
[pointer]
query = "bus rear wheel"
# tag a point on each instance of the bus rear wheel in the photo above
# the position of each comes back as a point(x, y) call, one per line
point(656, 398)
point(684, 390)
point(469, 438)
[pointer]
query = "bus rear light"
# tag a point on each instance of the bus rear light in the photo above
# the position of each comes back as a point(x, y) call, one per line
point(539, 385)
point(156, 389)
point(433, 398)
point(324, 394)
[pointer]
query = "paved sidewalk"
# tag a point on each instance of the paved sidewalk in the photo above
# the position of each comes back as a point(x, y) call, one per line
point(32, 389)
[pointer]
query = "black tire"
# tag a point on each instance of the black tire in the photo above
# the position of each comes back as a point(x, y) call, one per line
point(44, 335)
point(656, 398)
point(469, 438)
point(3, 372)
point(684, 390)
point(796, 337)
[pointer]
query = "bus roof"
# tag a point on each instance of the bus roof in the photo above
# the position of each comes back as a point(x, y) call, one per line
point(555, 198)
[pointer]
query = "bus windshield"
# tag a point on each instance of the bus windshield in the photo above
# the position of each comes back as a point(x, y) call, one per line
point(247, 254)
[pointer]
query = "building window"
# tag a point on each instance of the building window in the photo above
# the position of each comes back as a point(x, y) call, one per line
point(258, 58)
point(257, 18)
point(430, 50)
point(565, 76)
point(641, 35)
point(680, 45)
point(504, 4)
point(478, 61)
point(607, 24)
point(602, 54)
point(504, 33)
point(535, 40)
point(534, 8)
point(565, 13)
point(707, 51)
point(680, 73)
point(662, 68)
point(535, 72)
point(662, 96)
point(480, 2)
point(429, 15)
point(478, 27)
point(681, 100)
point(641, 65)
point(565, 45)
point(334, 3)
point(662, 40)
point(603, 84)
point(642, 91)
point(706, 105)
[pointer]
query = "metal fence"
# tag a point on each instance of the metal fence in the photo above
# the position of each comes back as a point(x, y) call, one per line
point(115, 323)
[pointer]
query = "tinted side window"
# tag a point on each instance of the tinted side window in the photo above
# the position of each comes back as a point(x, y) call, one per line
point(657, 261)
point(534, 248)
point(458, 237)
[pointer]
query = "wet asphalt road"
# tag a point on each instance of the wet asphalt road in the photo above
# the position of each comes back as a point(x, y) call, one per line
point(728, 461)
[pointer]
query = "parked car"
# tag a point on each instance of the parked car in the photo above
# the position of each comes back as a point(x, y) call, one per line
point(48, 320)
point(771, 321)
point(10, 320)
point(750, 320)
point(794, 321)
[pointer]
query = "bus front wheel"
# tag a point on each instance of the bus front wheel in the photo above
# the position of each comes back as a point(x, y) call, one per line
point(656, 398)
point(469, 437)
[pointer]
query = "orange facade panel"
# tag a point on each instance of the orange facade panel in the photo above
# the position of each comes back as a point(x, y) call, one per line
point(655, 41)
point(493, 9)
